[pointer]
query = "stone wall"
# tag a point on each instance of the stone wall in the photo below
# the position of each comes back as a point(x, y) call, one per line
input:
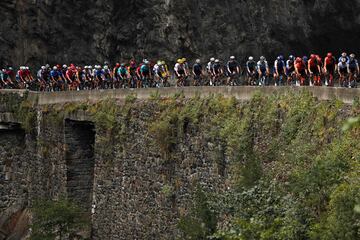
point(140, 192)
point(13, 166)
point(107, 157)
point(79, 156)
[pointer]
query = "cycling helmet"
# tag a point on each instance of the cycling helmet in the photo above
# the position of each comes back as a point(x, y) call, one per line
point(352, 55)
point(106, 67)
point(10, 68)
point(146, 62)
point(55, 67)
point(64, 66)
point(217, 60)
point(278, 58)
point(198, 61)
point(343, 54)
point(159, 63)
point(163, 62)
point(179, 60)
point(232, 58)
point(47, 65)
point(27, 68)
point(43, 67)
point(298, 59)
point(329, 55)
point(281, 57)
point(90, 67)
point(251, 58)
point(262, 58)
point(312, 56)
point(343, 60)
point(305, 58)
point(291, 57)
point(117, 65)
point(212, 59)
point(184, 59)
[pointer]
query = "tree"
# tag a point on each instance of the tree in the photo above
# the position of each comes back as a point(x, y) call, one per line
point(59, 218)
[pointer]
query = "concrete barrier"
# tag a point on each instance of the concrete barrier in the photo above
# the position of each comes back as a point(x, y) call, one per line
point(241, 93)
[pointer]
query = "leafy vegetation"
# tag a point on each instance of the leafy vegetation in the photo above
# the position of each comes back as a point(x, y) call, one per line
point(295, 172)
point(57, 220)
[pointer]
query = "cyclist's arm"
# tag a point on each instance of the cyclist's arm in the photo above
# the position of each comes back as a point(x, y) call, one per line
point(228, 68)
point(259, 69)
point(68, 77)
point(276, 69)
point(309, 68)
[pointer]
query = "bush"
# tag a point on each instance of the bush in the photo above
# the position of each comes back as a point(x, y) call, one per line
point(52, 219)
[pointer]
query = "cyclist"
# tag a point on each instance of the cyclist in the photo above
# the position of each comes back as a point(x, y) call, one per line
point(5, 79)
point(20, 77)
point(43, 77)
point(263, 71)
point(28, 74)
point(290, 70)
point(9, 77)
point(217, 72)
point(209, 69)
point(132, 69)
point(343, 72)
point(180, 73)
point(197, 71)
point(116, 76)
point(251, 71)
point(164, 74)
point(314, 70)
point(56, 83)
point(99, 76)
point(353, 69)
point(232, 70)
point(300, 70)
point(157, 74)
point(123, 75)
point(70, 76)
point(279, 70)
point(108, 84)
point(186, 66)
point(145, 74)
point(329, 69)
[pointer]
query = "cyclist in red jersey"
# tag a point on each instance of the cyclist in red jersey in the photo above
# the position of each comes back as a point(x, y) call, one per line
point(314, 71)
point(329, 69)
point(300, 70)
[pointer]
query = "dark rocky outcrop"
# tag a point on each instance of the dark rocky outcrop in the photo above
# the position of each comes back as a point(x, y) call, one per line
point(38, 31)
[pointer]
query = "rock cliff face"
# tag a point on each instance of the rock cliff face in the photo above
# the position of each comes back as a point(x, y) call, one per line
point(37, 31)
